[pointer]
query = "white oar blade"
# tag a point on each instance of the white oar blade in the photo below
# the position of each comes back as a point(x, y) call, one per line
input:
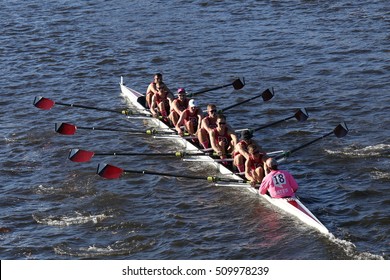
point(43, 103)
point(77, 155)
point(109, 171)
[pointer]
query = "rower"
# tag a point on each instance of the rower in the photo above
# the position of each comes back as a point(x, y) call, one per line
point(278, 183)
point(254, 164)
point(241, 150)
point(208, 124)
point(178, 105)
point(160, 102)
point(152, 88)
point(190, 118)
point(223, 139)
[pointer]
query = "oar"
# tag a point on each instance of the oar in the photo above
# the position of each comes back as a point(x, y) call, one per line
point(46, 104)
point(78, 155)
point(340, 131)
point(301, 115)
point(112, 172)
point(237, 84)
point(266, 95)
point(70, 129)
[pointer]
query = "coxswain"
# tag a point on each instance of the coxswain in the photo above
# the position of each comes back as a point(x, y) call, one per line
point(254, 164)
point(208, 124)
point(277, 183)
point(190, 118)
point(178, 105)
point(223, 139)
point(160, 102)
point(241, 150)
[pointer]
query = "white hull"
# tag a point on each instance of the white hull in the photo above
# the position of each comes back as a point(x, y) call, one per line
point(292, 206)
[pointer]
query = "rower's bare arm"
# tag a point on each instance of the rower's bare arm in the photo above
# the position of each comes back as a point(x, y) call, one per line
point(214, 143)
point(153, 106)
point(179, 123)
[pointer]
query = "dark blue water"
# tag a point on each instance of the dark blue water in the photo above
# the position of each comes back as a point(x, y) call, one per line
point(331, 57)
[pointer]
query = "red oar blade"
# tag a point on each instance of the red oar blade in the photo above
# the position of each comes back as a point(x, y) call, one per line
point(109, 171)
point(77, 155)
point(301, 115)
point(267, 94)
point(65, 128)
point(238, 84)
point(43, 103)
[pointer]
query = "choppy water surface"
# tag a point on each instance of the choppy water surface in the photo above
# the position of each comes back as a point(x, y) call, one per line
point(332, 58)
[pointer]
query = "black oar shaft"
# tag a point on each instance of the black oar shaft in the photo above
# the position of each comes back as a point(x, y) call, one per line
point(111, 129)
point(266, 95)
point(208, 178)
point(89, 107)
point(165, 174)
point(288, 153)
point(210, 89)
point(271, 124)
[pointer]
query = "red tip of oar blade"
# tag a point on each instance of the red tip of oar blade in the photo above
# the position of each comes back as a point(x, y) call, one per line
point(77, 155)
point(43, 103)
point(109, 171)
point(65, 128)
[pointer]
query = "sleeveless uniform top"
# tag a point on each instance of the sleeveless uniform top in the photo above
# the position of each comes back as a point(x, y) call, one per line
point(243, 144)
point(222, 137)
point(160, 99)
point(182, 105)
point(212, 124)
point(192, 117)
point(255, 163)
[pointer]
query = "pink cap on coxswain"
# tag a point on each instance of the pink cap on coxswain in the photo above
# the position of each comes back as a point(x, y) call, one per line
point(181, 90)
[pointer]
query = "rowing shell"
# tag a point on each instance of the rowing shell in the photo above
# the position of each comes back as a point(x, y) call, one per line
point(292, 205)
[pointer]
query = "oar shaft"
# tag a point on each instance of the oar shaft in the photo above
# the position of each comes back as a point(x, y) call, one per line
point(266, 95)
point(210, 89)
point(238, 104)
point(111, 129)
point(271, 124)
point(164, 174)
point(89, 107)
point(303, 146)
